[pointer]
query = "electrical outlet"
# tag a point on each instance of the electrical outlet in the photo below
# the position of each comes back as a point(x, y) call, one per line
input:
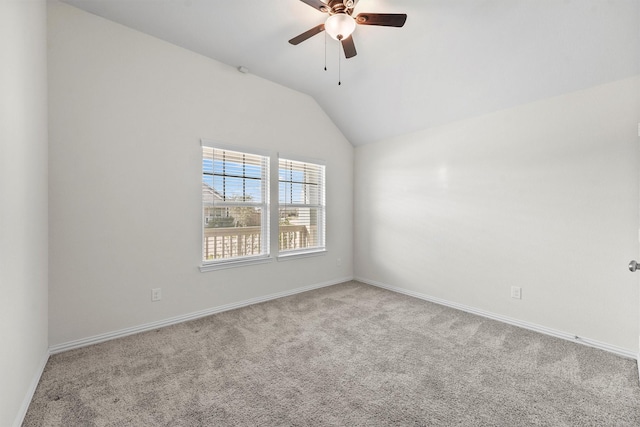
point(516, 292)
point(156, 294)
point(339, 261)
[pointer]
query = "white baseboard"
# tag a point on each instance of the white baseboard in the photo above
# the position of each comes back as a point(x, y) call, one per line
point(31, 391)
point(83, 342)
point(509, 320)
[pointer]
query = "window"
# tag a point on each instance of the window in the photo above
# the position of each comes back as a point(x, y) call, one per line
point(301, 209)
point(235, 206)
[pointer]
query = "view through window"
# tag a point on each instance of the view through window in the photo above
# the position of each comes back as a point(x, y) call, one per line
point(301, 206)
point(235, 204)
point(236, 209)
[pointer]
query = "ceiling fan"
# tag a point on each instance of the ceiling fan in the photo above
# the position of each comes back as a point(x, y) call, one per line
point(340, 24)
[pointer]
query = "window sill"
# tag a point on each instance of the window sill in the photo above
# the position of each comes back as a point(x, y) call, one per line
point(296, 255)
point(223, 265)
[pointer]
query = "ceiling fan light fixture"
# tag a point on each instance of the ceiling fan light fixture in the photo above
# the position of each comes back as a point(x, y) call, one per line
point(340, 26)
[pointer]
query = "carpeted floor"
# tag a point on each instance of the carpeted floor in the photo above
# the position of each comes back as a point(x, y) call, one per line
point(345, 355)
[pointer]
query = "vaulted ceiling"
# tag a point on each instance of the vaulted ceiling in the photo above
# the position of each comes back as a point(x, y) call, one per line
point(452, 60)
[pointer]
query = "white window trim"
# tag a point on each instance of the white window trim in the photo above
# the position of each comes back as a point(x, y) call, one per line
point(234, 262)
point(221, 264)
point(322, 247)
point(272, 193)
point(300, 253)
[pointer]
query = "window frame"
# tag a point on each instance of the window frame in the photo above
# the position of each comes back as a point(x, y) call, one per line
point(321, 247)
point(264, 205)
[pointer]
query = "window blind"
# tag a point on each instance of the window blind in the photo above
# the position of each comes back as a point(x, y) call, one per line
point(235, 204)
point(301, 210)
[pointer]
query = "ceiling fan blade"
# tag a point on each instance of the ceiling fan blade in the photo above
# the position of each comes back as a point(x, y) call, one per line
point(382, 19)
point(349, 47)
point(317, 4)
point(307, 34)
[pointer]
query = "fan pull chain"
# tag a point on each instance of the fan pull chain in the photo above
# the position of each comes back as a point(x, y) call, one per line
point(339, 68)
point(325, 51)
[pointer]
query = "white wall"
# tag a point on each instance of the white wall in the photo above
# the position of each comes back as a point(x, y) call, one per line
point(127, 112)
point(23, 203)
point(543, 196)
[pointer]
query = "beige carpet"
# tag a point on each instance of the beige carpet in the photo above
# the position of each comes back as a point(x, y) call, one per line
point(346, 355)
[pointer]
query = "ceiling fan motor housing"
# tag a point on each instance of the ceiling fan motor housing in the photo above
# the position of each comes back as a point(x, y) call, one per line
point(339, 6)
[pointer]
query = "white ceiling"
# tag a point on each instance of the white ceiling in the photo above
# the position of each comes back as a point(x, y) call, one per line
point(452, 60)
